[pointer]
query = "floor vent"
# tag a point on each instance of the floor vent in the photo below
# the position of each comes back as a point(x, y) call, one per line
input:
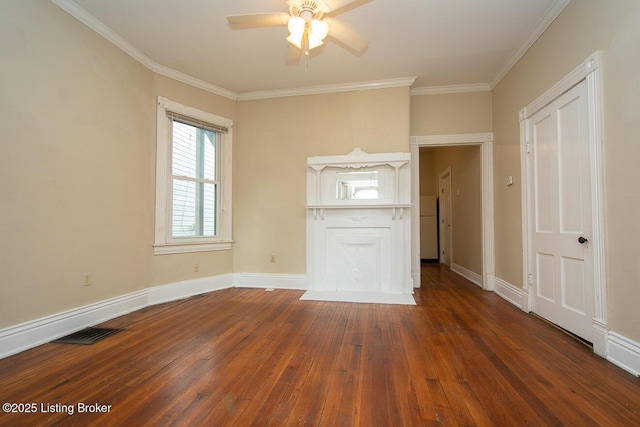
point(87, 336)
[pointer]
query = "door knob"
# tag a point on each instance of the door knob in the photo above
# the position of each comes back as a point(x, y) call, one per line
point(582, 240)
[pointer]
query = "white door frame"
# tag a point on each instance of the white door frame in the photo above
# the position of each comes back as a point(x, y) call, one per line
point(446, 234)
point(590, 71)
point(485, 141)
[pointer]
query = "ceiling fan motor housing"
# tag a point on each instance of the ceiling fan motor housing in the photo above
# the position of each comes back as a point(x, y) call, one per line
point(307, 9)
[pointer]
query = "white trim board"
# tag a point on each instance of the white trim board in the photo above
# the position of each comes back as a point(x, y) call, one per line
point(270, 281)
point(511, 293)
point(358, 297)
point(624, 353)
point(471, 276)
point(334, 88)
point(550, 15)
point(96, 25)
point(438, 90)
point(24, 336)
point(188, 288)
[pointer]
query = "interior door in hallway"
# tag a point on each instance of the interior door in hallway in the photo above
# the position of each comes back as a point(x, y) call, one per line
point(559, 216)
point(444, 208)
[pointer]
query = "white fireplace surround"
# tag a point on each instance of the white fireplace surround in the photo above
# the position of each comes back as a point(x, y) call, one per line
point(359, 228)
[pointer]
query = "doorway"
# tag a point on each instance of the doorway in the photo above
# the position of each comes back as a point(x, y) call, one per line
point(485, 142)
point(564, 274)
point(559, 216)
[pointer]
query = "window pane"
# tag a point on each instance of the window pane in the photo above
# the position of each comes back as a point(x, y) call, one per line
point(184, 150)
point(209, 223)
point(193, 152)
point(194, 209)
point(210, 169)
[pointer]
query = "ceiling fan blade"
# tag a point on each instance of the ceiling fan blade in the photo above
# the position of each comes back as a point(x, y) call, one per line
point(259, 20)
point(342, 34)
point(332, 5)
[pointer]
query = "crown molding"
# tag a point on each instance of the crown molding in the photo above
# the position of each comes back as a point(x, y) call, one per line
point(90, 21)
point(452, 139)
point(192, 81)
point(437, 90)
point(315, 90)
point(550, 15)
point(93, 23)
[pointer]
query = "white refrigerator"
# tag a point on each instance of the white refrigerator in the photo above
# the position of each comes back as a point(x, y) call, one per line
point(429, 228)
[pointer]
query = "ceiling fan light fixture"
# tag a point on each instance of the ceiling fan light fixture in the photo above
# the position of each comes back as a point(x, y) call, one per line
point(306, 23)
point(314, 42)
point(296, 41)
point(316, 31)
point(319, 29)
point(296, 26)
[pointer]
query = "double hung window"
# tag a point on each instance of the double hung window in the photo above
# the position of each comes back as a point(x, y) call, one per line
point(193, 180)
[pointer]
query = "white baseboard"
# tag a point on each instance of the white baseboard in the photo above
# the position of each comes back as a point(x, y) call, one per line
point(15, 339)
point(490, 282)
point(175, 291)
point(599, 337)
point(624, 353)
point(471, 276)
point(270, 281)
point(510, 292)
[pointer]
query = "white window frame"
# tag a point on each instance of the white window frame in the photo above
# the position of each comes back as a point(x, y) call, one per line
point(164, 241)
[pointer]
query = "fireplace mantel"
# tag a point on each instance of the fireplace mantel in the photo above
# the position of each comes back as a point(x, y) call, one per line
point(359, 228)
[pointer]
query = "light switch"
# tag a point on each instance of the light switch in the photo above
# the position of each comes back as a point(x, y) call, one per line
point(509, 180)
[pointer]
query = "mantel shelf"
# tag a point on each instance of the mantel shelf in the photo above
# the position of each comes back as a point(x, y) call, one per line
point(361, 206)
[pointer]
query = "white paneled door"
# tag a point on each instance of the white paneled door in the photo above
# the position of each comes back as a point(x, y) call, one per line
point(559, 217)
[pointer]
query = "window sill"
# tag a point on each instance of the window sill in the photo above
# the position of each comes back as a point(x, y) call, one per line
point(181, 248)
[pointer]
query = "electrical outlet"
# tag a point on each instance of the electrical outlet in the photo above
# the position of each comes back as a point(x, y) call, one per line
point(273, 258)
point(196, 267)
point(86, 279)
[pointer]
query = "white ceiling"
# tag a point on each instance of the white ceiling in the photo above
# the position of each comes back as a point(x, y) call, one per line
point(471, 43)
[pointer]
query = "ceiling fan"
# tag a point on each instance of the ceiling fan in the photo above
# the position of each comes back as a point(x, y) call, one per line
point(309, 22)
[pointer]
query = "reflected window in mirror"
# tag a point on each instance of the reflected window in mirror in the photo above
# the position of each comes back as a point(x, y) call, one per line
point(357, 185)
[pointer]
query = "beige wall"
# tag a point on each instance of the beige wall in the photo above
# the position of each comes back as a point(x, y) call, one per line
point(76, 156)
point(451, 113)
point(584, 27)
point(77, 167)
point(274, 138)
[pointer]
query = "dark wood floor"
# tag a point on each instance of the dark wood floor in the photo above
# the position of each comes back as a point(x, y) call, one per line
point(461, 357)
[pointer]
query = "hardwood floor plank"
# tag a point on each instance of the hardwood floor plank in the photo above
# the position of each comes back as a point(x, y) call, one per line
point(461, 356)
point(401, 388)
